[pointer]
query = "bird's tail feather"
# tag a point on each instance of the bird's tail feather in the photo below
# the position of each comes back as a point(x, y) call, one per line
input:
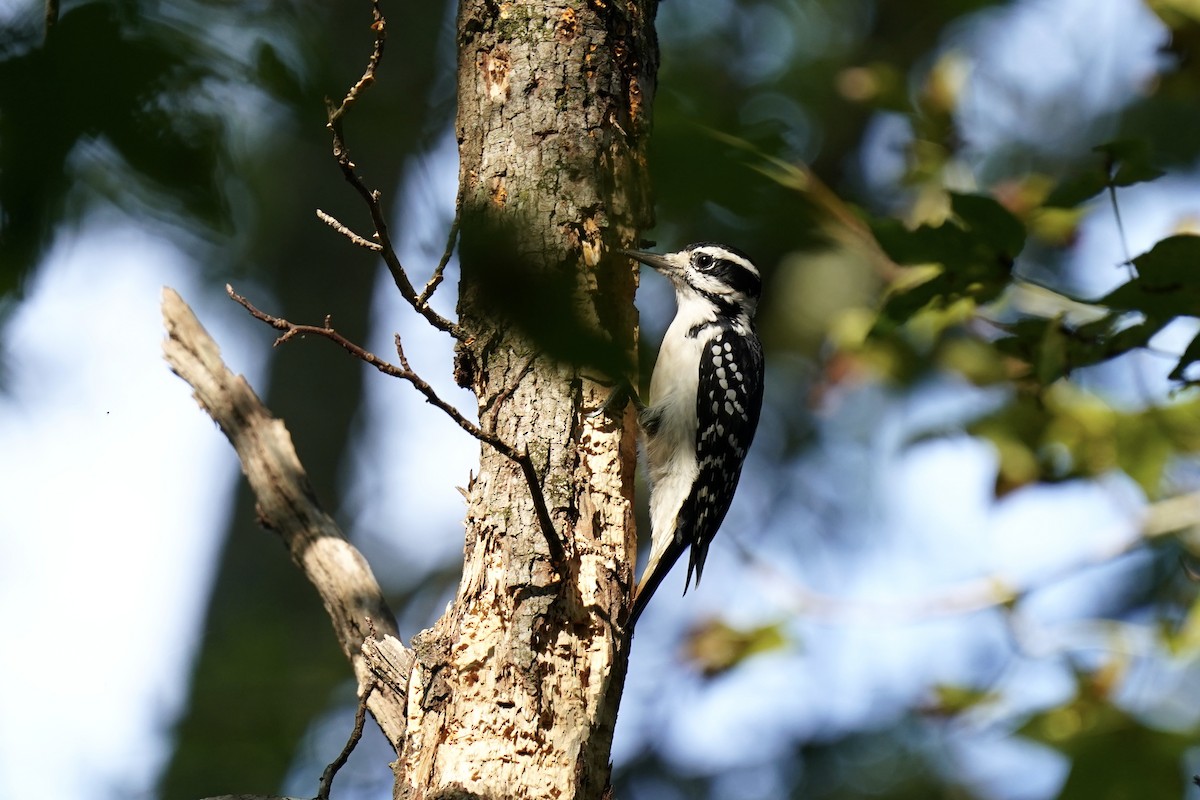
point(651, 578)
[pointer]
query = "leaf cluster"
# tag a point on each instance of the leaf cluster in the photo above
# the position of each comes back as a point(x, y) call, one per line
point(956, 306)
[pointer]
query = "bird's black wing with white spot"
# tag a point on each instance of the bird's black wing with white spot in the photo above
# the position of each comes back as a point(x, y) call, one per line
point(731, 370)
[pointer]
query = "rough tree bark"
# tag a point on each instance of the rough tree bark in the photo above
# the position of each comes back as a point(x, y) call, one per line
point(514, 691)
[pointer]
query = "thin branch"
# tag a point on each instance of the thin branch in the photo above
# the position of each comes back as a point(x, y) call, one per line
point(1116, 207)
point(287, 505)
point(338, 226)
point(372, 197)
point(379, 25)
point(558, 556)
point(331, 771)
point(387, 250)
point(451, 240)
point(405, 372)
point(557, 553)
point(51, 16)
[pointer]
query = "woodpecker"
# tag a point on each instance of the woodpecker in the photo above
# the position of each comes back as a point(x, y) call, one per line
point(705, 397)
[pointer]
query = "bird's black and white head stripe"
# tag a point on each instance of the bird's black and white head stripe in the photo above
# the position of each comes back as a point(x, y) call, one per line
point(730, 267)
point(723, 276)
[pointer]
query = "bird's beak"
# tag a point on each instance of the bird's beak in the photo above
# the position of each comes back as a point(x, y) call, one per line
point(659, 263)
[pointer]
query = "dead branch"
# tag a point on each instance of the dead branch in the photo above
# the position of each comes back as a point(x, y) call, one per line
point(447, 253)
point(286, 505)
point(379, 25)
point(331, 771)
point(344, 230)
point(372, 196)
point(51, 16)
point(405, 372)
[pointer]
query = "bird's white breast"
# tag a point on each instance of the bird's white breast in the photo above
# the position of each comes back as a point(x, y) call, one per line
point(671, 450)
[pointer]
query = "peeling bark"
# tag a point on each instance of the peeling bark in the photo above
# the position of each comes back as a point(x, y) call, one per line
point(514, 692)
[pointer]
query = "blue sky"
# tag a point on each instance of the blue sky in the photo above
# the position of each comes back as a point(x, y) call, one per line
point(114, 501)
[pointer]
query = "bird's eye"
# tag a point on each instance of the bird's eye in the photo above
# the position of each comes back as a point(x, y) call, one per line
point(703, 261)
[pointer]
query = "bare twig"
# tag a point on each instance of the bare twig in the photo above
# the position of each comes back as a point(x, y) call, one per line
point(379, 25)
point(405, 372)
point(337, 225)
point(558, 555)
point(331, 771)
point(387, 250)
point(51, 16)
point(1111, 171)
point(371, 196)
point(451, 240)
point(286, 504)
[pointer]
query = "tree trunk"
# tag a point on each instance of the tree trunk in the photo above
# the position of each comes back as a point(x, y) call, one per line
point(514, 692)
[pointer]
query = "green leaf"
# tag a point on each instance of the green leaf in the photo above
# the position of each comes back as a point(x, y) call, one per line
point(1143, 450)
point(975, 248)
point(1172, 263)
point(1167, 284)
point(994, 223)
point(1113, 756)
point(1078, 188)
point(1132, 158)
point(714, 647)
point(1053, 348)
point(950, 699)
point(1190, 356)
point(925, 244)
point(1120, 163)
point(1053, 360)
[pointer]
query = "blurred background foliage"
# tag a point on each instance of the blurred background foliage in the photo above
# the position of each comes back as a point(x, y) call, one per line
point(918, 189)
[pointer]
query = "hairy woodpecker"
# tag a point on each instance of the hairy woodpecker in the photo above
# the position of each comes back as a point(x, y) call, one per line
point(705, 398)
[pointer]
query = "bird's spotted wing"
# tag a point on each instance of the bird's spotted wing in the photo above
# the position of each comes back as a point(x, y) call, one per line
point(728, 407)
